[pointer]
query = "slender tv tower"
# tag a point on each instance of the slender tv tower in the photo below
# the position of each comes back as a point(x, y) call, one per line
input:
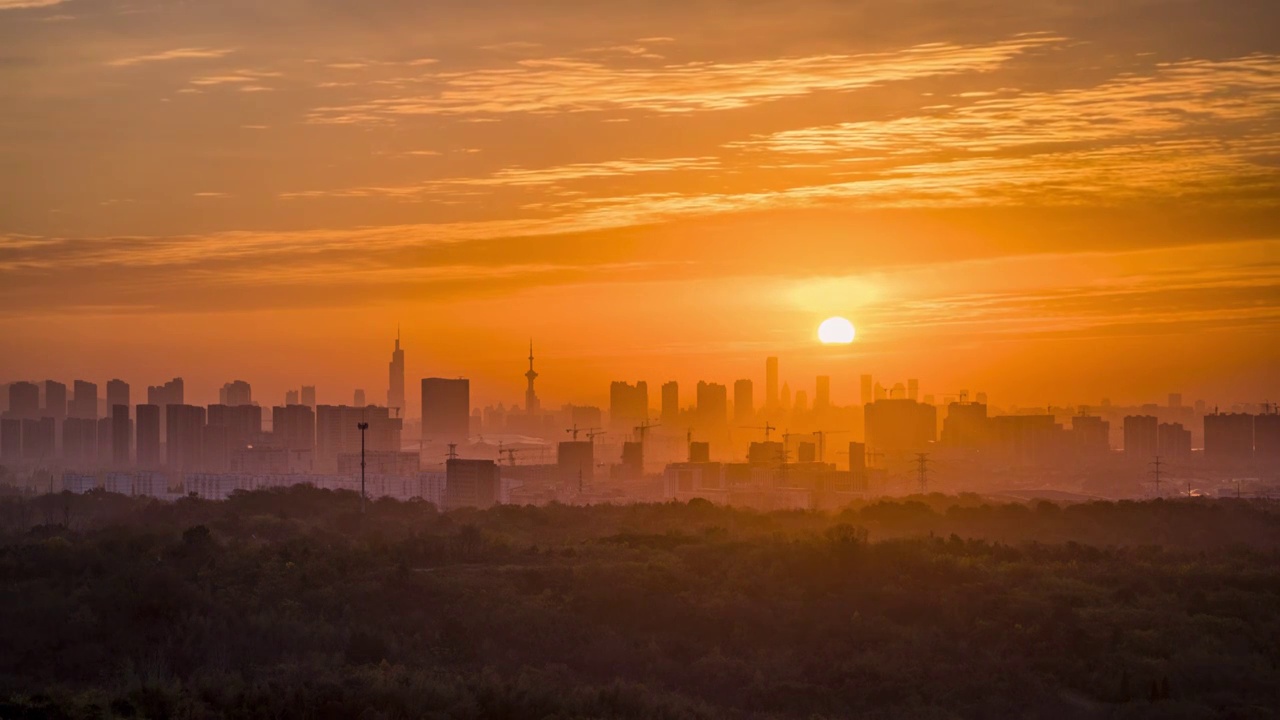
point(531, 403)
point(395, 390)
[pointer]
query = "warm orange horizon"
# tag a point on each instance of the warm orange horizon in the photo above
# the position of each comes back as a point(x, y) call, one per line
point(1049, 204)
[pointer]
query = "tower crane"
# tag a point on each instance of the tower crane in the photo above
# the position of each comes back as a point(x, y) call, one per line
point(642, 431)
point(822, 440)
point(767, 429)
point(575, 430)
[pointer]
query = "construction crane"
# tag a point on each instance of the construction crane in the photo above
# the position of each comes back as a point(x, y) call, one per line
point(594, 433)
point(510, 452)
point(588, 431)
point(822, 440)
point(643, 430)
point(767, 429)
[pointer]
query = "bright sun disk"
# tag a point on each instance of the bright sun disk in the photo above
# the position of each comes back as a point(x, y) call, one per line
point(836, 331)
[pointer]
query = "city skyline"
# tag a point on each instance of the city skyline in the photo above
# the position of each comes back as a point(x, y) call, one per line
point(1037, 198)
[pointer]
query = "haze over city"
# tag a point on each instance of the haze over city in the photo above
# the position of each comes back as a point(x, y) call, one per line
point(710, 359)
point(1055, 202)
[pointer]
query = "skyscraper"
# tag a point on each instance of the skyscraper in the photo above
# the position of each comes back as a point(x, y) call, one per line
point(446, 408)
point(358, 399)
point(670, 403)
point(170, 393)
point(531, 403)
point(822, 393)
point(309, 396)
point(1141, 434)
point(771, 383)
point(84, 401)
point(148, 433)
point(234, 393)
point(184, 433)
point(55, 400)
point(628, 405)
point(291, 398)
point(913, 389)
point(713, 404)
point(744, 402)
point(868, 390)
point(24, 400)
point(293, 427)
point(395, 380)
point(117, 394)
point(121, 434)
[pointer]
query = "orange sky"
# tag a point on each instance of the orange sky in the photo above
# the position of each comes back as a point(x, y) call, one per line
point(1052, 202)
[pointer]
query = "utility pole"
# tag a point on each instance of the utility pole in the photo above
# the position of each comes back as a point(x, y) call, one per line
point(1158, 466)
point(922, 468)
point(363, 427)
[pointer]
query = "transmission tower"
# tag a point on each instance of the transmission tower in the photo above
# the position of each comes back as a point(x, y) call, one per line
point(1158, 465)
point(922, 469)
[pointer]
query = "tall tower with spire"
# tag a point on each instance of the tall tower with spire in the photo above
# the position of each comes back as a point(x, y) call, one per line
point(395, 389)
point(531, 403)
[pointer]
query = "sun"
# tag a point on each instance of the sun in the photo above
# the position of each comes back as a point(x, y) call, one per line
point(836, 331)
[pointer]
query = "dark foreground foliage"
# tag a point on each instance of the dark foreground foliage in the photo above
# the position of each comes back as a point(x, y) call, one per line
point(288, 604)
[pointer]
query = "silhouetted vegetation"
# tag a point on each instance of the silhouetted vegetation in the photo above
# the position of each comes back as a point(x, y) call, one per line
point(288, 603)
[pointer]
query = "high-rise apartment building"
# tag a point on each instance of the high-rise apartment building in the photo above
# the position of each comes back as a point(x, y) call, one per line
point(744, 402)
point(446, 409)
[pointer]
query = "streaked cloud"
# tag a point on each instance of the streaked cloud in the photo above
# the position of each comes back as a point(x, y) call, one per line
point(568, 84)
point(167, 55)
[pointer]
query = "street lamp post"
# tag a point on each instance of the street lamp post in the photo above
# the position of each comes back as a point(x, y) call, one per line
point(363, 427)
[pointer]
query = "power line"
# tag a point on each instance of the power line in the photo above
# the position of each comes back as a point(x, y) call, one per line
point(1159, 465)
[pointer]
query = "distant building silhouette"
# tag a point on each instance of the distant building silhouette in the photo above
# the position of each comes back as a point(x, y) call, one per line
point(117, 394)
point(896, 426)
point(170, 393)
point(913, 389)
point(358, 398)
point(713, 405)
point(309, 396)
point(147, 420)
point(80, 441)
point(628, 405)
point(1141, 437)
point(966, 426)
point(55, 400)
point(104, 440)
point(822, 393)
point(868, 390)
point(24, 400)
point(291, 397)
point(10, 439)
point(1173, 441)
point(744, 403)
point(471, 484)
point(39, 439)
point(338, 433)
point(771, 399)
point(670, 415)
point(121, 435)
point(446, 409)
point(1091, 436)
point(1228, 438)
point(395, 380)
point(293, 427)
point(575, 463)
point(84, 400)
point(184, 437)
point(234, 393)
point(1266, 437)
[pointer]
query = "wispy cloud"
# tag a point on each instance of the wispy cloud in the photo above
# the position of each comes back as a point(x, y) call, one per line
point(21, 4)
point(166, 55)
point(577, 85)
